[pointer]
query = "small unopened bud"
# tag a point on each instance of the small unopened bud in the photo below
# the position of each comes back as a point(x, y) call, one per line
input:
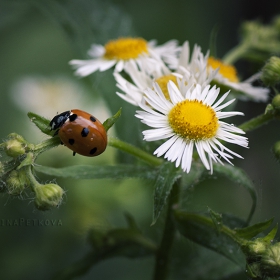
point(271, 261)
point(271, 71)
point(276, 102)
point(254, 249)
point(48, 196)
point(16, 182)
point(276, 150)
point(14, 148)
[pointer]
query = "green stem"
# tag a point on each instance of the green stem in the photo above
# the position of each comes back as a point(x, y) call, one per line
point(234, 54)
point(193, 218)
point(33, 182)
point(163, 252)
point(47, 144)
point(123, 146)
point(257, 121)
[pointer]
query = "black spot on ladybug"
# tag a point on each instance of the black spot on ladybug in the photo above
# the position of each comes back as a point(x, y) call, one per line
point(73, 117)
point(71, 141)
point(92, 118)
point(93, 151)
point(85, 132)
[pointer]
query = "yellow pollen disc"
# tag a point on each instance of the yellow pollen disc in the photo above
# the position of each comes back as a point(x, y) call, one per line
point(226, 70)
point(125, 48)
point(193, 120)
point(162, 82)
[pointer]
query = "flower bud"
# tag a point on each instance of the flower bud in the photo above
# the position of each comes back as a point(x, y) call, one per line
point(48, 196)
point(254, 249)
point(276, 102)
point(271, 261)
point(14, 148)
point(16, 182)
point(276, 150)
point(271, 71)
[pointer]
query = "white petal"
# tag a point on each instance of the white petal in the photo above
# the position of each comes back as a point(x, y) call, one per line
point(201, 152)
point(165, 146)
point(187, 157)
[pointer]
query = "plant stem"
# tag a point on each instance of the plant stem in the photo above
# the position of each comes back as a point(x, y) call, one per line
point(33, 182)
point(163, 252)
point(257, 121)
point(47, 144)
point(126, 147)
point(234, 54)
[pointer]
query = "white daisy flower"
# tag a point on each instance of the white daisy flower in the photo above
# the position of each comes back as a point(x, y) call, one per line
point(190, 119)
point(117, 53)
point(192, 67)
point(227, 76)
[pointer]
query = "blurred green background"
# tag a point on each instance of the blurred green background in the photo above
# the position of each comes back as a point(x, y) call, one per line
point(34, 56)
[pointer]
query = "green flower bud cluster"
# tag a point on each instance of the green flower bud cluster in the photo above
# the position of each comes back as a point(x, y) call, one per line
point(271, 71)
point(271, 261)
point(273, 108)
point(263, 38)
point(17, 174)
point(263, 257)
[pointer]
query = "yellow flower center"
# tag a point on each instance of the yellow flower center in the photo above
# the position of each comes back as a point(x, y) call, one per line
point(125, 48)
point(162, 82)
point(226, 70)
point(193, 120)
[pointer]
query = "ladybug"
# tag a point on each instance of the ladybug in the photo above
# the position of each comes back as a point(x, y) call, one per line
point(80, 132)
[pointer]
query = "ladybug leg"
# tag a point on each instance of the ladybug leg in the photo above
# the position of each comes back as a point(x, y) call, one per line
point(74, 153)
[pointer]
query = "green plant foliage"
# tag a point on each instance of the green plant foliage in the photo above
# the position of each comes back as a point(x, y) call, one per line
point(42, 123)
point(166, 177)
point(125, 242)
point(202, 230)
point(99, 172)
point(254, 230)
point(239, 176)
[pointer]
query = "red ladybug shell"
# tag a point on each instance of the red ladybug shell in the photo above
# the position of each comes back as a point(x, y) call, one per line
point(83, 134)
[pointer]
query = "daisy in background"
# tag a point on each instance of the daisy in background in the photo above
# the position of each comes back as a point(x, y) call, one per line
point(227, 76)
point(117, 53)
point(192, 67)
point(190, 120)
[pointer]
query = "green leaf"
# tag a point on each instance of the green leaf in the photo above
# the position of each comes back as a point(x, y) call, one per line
point(216, 218)
point(166, 177)
point(193, 262)
point(42, 123)
point(99, 172)
point(189, 180)
point(252, 231)
point(111, 121)
point(271, 235)
point(202, 230)
point(239, 176)
point(123, 242)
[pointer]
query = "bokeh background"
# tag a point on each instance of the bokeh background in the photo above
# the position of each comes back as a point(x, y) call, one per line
point(35, 76)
